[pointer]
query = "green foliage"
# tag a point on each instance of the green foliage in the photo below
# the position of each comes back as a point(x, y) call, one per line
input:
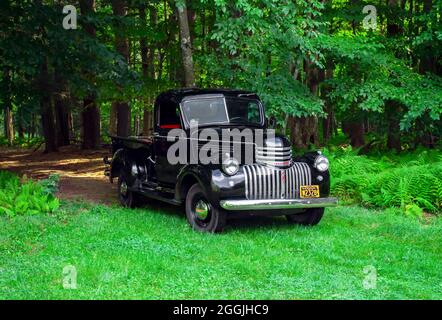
point(409, 181)
point(27, 197)
point(370, 75)
point(22, 142)
point(259, 45)
point(301, 57)
point(50, 184)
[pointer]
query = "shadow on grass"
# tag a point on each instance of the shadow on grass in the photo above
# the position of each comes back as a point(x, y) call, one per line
point(235, 221)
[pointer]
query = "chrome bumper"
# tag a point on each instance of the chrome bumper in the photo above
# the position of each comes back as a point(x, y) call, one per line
point(278, 204)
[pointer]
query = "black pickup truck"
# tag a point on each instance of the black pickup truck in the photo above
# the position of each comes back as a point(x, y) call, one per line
point(212, 151)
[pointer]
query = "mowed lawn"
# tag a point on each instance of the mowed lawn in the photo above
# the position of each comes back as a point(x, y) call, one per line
point(152, 253)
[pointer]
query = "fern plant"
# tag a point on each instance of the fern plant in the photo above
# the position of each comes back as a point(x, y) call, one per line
point(27, 197)
point(405, 181)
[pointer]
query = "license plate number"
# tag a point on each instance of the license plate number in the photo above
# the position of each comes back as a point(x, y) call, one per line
point(309, 191)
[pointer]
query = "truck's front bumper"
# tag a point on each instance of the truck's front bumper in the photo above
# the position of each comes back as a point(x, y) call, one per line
point(237, 205)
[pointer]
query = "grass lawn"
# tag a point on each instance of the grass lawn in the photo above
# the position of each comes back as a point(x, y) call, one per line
point(151, 253)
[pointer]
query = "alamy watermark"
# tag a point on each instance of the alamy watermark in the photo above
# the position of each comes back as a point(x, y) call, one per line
point(371, 277)
point(69, 275)
point(210, 146)
point(370, 20)
point(70, 20)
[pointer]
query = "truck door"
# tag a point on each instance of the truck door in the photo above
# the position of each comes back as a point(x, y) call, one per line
point(167, 118)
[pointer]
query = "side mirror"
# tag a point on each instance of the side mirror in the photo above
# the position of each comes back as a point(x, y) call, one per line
point(271, 122)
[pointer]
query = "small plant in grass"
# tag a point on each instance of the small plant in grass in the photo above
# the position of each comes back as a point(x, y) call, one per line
point(27, 197)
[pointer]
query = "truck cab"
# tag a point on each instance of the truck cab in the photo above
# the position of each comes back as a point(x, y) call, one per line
point(213, 152)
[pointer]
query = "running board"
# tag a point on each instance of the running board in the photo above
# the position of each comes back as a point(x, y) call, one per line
point(159, 196)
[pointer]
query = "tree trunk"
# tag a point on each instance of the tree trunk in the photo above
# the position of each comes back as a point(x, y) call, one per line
point(9, 123)
point(428, 59)
point(113, 118)
point(61, 110)
point(305, 129)
point(327, 123)
point(392, 108)
point(62, 117)
point(143, 43)
point(90, 114)
point(122, 109)
point(356, 132)
point(186, 46)
point(90, 118)
point(393, 113)
point(47, 112)
point(146, 60)
point(20, 129)
point(151, 51)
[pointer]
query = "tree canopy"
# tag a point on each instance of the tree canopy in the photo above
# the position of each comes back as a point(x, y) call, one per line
point(320, 66)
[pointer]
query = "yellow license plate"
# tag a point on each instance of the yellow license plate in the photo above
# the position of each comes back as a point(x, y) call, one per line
point(309, 191)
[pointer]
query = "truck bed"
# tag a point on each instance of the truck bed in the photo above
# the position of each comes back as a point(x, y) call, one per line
point(132, 142)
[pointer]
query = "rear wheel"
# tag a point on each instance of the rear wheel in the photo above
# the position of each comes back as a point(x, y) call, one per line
point(310, 217)
point(127, 197)
point(201, 215)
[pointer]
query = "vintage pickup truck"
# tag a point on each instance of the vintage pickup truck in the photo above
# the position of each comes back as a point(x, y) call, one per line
point(256, 176)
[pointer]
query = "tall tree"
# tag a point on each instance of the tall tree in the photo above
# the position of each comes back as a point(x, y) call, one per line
point(186, 44)
point(392, 107)
point(61, 109)
point(146, 60)
point(9, 125)
point(47, 109)
point(90, 113)
point(121, 109)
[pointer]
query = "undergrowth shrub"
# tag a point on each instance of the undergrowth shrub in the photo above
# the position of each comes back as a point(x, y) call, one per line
point(22, 142)
point(411, 181)
point(27, 197)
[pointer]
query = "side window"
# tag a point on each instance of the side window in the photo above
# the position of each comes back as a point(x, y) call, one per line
point(169, 115)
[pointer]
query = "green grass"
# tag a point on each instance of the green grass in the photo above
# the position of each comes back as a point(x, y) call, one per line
point(151, 253)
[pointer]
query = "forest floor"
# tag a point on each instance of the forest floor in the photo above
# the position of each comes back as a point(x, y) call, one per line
point(81, 172)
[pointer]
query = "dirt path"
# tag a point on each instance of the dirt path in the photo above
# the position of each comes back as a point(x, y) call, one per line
point(81, 172)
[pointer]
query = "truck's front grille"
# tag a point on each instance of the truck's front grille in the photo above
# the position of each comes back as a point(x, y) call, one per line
point(274, 156)
point(263, 182)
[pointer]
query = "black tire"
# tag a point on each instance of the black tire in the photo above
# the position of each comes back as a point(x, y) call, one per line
point(201, 215)
point(310, 217)
point(127, 198)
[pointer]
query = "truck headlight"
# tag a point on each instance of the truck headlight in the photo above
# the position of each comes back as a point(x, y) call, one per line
point(321, 163)
point(230, 166)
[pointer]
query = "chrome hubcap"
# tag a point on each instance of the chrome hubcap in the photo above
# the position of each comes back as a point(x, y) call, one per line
point(123, 188)
point(201, 210)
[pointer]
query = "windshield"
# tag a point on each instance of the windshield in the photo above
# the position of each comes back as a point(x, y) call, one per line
point(221, 110)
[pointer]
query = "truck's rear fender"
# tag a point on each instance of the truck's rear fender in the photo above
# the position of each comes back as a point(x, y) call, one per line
point(117, 163)
point(131, 165)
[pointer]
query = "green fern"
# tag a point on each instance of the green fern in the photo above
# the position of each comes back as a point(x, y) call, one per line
point(403, 181)
point(27, 197)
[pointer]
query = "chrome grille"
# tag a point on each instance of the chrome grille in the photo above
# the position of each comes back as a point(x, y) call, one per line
point(263, 182)
point(274, 156)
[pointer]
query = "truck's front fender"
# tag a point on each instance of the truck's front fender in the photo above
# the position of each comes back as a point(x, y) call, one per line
point(215, 183)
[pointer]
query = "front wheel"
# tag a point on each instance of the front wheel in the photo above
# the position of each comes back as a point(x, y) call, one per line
point(310, 217)
point(201, 215)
